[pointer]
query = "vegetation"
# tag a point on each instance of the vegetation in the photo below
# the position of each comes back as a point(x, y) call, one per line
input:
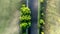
point(41, 22)
point(8, 12)
point(25, 18)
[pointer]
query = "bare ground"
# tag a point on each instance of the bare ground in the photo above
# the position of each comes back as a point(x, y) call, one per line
point(13, 26)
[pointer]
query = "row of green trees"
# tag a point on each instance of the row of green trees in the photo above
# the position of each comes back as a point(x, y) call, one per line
point(41, 14)
point(25, 18)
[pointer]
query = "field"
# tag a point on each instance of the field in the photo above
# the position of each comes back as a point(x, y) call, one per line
point(8, 13)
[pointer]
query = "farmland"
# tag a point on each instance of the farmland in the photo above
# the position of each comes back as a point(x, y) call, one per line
point(8, 12)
